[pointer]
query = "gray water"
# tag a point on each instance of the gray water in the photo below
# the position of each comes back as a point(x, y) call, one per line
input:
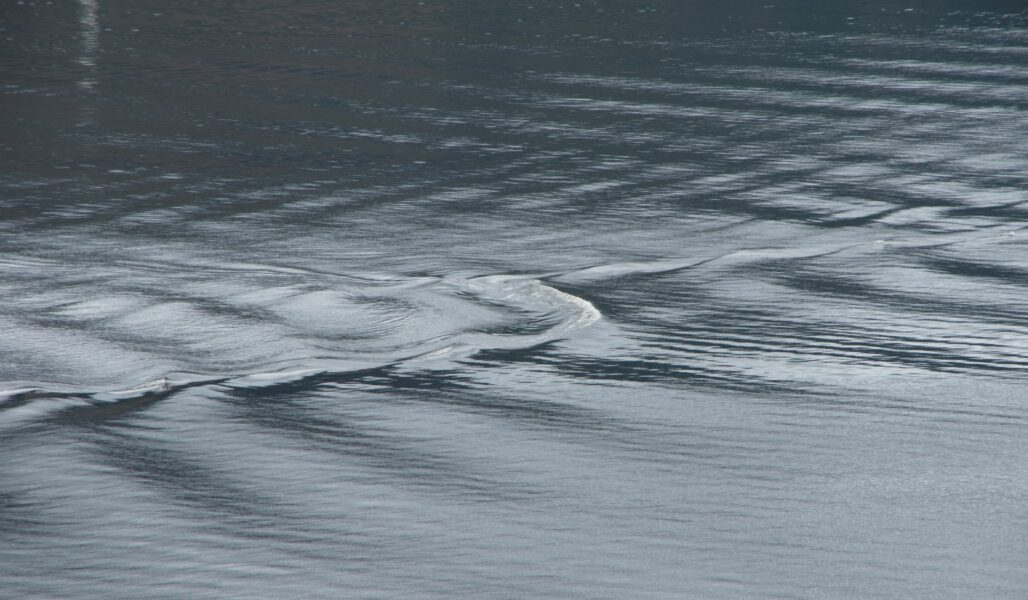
point(453, 299)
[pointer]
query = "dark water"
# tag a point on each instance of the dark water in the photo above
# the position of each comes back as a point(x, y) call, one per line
point(596, 299)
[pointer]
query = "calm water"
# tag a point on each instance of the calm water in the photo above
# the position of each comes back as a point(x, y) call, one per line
point(454, 299)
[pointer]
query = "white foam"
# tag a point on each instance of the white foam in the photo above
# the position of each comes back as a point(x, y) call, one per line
point(534, 297)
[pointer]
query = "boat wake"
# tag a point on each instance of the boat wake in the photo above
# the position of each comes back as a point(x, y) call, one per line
point(381, 322)
point(253, 326)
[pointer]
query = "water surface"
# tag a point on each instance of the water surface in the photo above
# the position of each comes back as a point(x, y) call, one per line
point(491, 300)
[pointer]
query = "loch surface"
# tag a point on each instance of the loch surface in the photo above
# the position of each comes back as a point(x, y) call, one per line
point(451, 299)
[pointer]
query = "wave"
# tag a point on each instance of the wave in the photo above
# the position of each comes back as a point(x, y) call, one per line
point(383, 322)
point(252, 325)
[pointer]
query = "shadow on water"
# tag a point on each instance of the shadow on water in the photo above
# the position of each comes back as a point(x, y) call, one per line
point(20, 517)
point(102, 413)
point(181, 478)
point(1002, 274)
point(526, 411)
point(652, 369)
point(839, 286)
point(297, 412)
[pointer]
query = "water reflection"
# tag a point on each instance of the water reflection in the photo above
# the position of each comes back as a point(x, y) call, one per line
point(89, 23)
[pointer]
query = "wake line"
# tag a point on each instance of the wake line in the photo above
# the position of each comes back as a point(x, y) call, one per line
point(565, 314)
point(999, 233)
point(527, 294)
point(530, 297)
point(654, 267)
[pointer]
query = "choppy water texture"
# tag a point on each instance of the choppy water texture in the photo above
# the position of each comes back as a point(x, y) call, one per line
point(460, 299)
